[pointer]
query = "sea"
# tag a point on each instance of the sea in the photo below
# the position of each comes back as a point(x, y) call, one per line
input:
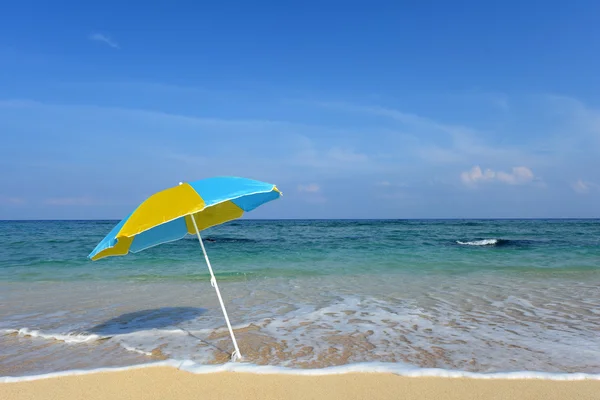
point(452, 296)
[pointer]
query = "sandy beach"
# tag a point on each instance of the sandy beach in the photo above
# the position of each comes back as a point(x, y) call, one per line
point(170, 383)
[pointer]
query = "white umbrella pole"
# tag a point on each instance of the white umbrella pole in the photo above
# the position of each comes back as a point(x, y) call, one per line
point(213, 282)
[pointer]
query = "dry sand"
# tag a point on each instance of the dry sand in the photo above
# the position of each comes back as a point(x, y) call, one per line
point(170, 383)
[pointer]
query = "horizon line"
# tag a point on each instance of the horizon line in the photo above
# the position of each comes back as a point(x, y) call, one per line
point(328, 219)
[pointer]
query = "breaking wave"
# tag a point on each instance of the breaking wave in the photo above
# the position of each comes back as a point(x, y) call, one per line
point(483, 242)
point(393, 368)
point(70, 337)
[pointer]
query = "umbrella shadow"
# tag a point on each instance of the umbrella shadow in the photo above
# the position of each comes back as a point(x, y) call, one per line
point(147, 319)
point(151, 319)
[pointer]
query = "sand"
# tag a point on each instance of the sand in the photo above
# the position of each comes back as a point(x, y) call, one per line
point(170, 383)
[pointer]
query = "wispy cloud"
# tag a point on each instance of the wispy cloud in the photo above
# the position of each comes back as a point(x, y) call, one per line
point(388, 184)
point(438, 142)
point(383, 183)
point(400, 116)
point(583, 187)
point(387, 190)
point(346, 155)
point(576, 126)
point(295, 150)
point(18, 103)
point(310, 188)
point(99, 37)
point(500, 100)
point(8, 200)
point(311, 193)
point(418, 162)
point(332, 160)
point(518, 176)
point(398, 195)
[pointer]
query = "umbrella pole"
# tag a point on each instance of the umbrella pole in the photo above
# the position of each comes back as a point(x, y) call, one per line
point(213, 282)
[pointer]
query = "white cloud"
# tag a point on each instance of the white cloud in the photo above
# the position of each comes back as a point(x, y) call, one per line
point(310, 188)
point(518, 176)
point(98, 37)
point(477, 175)
point(583, 187)
point(417, 149)
point(312, 193)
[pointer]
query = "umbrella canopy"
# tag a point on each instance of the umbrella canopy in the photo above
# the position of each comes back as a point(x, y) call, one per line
point(170, 215)
point(188, 208)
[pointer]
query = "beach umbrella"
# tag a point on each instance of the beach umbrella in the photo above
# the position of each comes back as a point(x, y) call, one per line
point(187, 208)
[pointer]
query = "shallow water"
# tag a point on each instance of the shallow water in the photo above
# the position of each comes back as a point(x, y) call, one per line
point(514, 296)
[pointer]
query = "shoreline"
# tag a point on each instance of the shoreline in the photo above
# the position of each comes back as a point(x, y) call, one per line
point(164, 381)
point(397, 369)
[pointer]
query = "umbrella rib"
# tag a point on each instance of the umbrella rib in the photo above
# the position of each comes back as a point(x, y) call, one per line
point(213, 282)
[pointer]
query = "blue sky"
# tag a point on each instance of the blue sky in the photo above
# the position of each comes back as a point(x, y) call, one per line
point(354, 109)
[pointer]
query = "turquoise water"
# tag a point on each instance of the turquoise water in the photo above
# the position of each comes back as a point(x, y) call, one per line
point(57, 250)
point(478, 295)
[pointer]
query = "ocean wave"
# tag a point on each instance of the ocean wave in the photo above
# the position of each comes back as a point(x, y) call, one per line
point(496, 242)
point(69, 337)
point(483, 242)
point(378, 331)
point(393, 368)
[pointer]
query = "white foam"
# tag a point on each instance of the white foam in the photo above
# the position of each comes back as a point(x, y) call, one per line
point(134, 350)
point(75, 372)
point(70, 337)
point(484, 242)
point(486, 324)
point(392, 368)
